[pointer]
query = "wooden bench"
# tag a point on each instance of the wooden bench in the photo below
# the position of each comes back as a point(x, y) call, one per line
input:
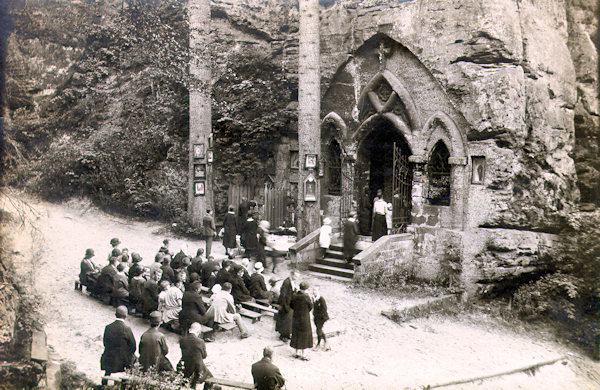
point(229, 383)
point(227, 325)
point(254, 316)
point(255, 306)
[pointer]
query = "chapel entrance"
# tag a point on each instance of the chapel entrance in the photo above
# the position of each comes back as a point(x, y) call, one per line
point(383, 164)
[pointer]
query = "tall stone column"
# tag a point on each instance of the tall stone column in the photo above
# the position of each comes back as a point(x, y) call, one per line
point(200, 110)
point(309, 107)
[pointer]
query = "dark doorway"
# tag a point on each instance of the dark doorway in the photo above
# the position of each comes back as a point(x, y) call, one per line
point(375, 170)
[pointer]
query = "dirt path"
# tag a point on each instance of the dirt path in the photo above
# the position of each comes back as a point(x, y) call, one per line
point(370, 352)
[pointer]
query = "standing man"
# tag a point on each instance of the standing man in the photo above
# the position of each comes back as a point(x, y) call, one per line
point(153, 347)
point(119, 345)
point(193, 353)
point(266, 375)
point(378, 223)
point(208, 227)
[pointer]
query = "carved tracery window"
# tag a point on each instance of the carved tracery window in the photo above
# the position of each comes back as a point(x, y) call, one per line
point(438, 176)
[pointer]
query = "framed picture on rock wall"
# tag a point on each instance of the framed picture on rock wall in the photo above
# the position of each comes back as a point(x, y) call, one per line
point(199, 171)
point(478, 174)
point(311, 161)
point(199, 151)
point(199, 188)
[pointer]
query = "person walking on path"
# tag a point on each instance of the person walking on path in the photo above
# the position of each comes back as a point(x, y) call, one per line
point(324, 237)
point(320, 317)
point(350, 237)
point(119, 345)
point(283, 324)
point(193, 353)
point(153, 347)
point(301, 328)
point(266, 375)
point(378, 223)
point(230, 229)
point(208, 230)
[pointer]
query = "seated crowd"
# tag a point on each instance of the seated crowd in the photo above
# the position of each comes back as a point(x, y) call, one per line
point(186, 295)
point(172, 286)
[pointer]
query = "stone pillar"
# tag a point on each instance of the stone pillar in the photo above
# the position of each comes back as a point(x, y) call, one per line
point(458, 190)
point(200, 102)
point(418, 187)
point(309, 107)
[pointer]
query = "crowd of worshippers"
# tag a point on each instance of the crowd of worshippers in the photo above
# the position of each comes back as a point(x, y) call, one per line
point(172, 286)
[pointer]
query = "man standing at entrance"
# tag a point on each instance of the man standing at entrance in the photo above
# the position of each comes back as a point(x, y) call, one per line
point(379, 225)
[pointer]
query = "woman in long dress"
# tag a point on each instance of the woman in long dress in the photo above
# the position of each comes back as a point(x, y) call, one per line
point(301, 328)
point(230, 229)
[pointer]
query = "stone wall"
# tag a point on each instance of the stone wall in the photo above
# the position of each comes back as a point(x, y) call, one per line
point(387, 258)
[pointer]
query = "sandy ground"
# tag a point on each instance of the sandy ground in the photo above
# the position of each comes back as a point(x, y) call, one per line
point(371, 352)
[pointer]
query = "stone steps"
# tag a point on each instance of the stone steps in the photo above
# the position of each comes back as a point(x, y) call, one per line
point(332, 270)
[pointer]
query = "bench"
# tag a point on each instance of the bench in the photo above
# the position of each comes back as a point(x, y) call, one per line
point(252, 305)
point(230, 383)
point(254, 316)
point(227, 325)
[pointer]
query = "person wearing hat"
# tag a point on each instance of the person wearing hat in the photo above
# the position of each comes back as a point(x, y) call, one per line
point(230, 230)
point(266, 375)
point(153, 347)
point(136, 268)
point(193, 307)
point(193, 353)
point(250, 236)
point(106, 280)
point(301, 329)
point(378, 222)
point(119, 345)
point(222, 308)
point(258, 287)
point(114, 243)
point(350, 236)
point(87, 269)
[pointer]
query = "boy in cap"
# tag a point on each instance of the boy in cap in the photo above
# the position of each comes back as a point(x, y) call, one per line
point(153, 347)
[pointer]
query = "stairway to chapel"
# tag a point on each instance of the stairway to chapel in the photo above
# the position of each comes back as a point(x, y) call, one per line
point(333, 265)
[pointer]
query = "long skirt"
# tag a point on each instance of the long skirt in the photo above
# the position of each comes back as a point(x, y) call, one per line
point(379, 227)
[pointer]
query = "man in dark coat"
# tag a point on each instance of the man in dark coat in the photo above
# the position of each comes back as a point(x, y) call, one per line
point(283, 323)
point(193, 353)
point(250, 234)
point(266, 375)
point(225, 273)
point(243, 209)
point(230, 229)
point(301, 328)
point(196, 263)
point(193, 307)
point(106, 280)
point(238, 290)
point(350, 237)
point(153, 346)
point(150, 292)
point(119, 345)
point(167, 271)
point(208, 230)
point(120, 290)
point(207, 269)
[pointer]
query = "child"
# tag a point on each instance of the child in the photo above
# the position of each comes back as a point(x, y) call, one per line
point(320, 316)
point(324, 237)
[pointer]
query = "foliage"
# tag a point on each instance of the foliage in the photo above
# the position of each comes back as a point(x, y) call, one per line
point(450, 265)
point(151, 379)
point(250, 113)
point(116, 129)
point(570, 295)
